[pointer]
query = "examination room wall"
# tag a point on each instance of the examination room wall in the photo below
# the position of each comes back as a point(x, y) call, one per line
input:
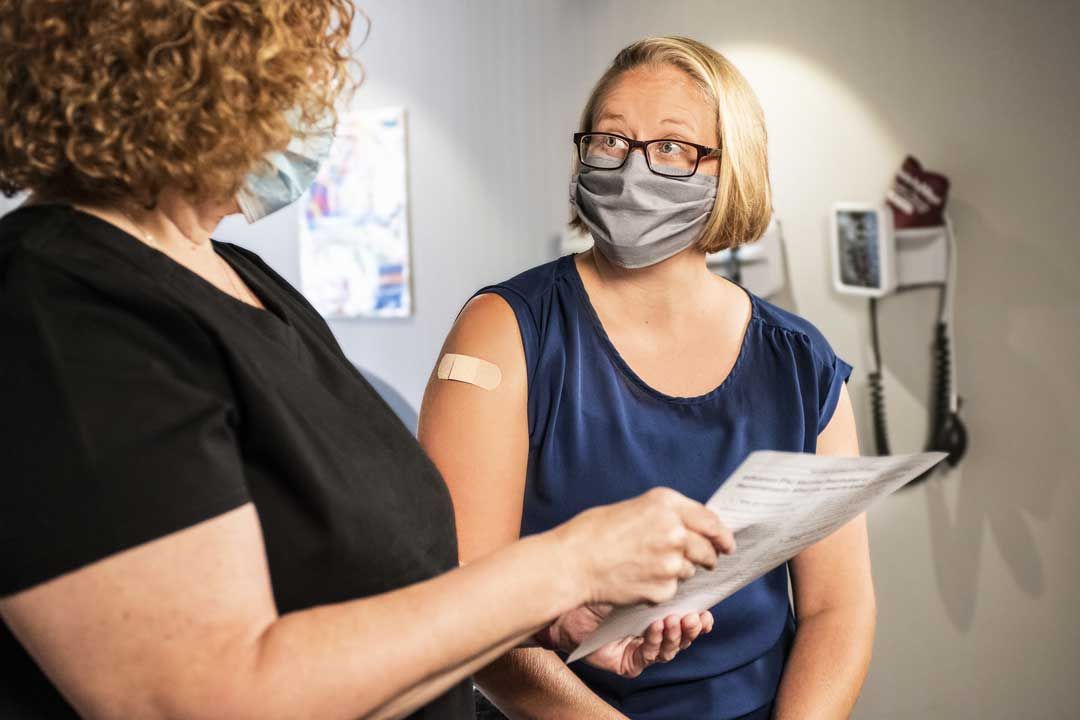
point(977, 572)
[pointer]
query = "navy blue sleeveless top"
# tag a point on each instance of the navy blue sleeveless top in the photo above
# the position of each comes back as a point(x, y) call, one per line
point(599, 434)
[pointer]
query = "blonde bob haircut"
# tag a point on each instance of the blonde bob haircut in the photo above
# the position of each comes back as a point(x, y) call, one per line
point(743, 197)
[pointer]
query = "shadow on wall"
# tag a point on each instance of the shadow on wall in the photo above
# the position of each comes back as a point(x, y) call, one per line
point(1012, 474)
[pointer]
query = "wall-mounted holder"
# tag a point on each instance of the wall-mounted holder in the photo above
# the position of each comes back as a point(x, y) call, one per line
point(922, 256)
point(574, 240)
point(760, 267)
point(873, 260)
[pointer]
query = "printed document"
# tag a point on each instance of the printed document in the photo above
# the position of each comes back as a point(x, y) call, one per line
point(777, 504)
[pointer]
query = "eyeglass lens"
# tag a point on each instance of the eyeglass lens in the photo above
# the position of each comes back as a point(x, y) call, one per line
point(665, 157)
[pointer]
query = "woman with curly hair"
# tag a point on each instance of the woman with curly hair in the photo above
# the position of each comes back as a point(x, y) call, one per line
point(206, 512)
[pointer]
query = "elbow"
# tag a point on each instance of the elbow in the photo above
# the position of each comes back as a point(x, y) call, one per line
point(867, 609)
point(171, 693)
point(861, 614)
point(862, 610)
point(854, 608)
point(854, 618)
point(861, 617)
point(867, 623)
point(870, 613)
point(231, 696)
point(230, 683)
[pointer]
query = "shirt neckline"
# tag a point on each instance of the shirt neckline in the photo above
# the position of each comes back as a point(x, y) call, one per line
point(271, 320)
point(613, 352)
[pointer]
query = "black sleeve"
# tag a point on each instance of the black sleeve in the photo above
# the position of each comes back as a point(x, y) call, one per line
point(116, 427)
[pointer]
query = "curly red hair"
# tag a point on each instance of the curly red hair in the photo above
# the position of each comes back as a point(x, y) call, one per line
point(110, 99)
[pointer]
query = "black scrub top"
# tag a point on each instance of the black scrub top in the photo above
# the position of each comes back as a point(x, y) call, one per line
point(139, 400)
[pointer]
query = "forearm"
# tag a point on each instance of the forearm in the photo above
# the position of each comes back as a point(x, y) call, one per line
point(385, 656)
point(534, 684)
point(827, 666)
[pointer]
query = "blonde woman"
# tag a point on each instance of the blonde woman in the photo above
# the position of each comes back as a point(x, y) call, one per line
point(206, 512)
point(631, 366)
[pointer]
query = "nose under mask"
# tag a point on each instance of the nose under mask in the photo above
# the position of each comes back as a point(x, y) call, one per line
point(638, 218)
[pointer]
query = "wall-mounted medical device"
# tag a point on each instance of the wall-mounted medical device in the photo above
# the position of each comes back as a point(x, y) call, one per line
point(863, 249)
point(760, 266)
point(903, 245)
point(574, 240)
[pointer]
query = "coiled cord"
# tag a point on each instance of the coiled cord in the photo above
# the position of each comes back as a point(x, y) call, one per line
point(947, 431)
point(877, 407)
point(942, 373)
point(877, 388)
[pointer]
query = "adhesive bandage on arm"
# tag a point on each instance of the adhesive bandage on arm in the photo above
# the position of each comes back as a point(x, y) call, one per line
point(471, 370)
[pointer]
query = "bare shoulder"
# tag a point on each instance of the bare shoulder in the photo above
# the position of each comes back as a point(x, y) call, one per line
point(487, 327)
point(840, 436)
point(486, 314)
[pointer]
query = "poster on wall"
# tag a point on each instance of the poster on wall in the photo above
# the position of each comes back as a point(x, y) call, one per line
point(354, 232)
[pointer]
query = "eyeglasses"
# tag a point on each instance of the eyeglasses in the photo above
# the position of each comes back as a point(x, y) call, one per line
point(670, 158)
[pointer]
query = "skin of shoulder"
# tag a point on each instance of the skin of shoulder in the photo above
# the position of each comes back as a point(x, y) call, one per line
point(479, 438)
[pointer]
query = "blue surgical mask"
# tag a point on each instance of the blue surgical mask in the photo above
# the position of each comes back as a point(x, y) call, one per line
point(286, 176)
point(638, 218)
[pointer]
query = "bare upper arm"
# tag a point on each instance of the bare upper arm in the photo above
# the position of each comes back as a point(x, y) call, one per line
point(147, 632)
point(479, 438)
point(835, 571)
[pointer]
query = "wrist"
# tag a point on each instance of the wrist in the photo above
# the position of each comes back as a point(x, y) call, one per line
point(562, 569)
point(547, 637)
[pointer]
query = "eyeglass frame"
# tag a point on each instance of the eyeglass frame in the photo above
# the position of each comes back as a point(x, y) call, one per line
point(704, 151)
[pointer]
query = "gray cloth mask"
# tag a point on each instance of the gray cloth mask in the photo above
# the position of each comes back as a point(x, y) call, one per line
point(638, 218)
